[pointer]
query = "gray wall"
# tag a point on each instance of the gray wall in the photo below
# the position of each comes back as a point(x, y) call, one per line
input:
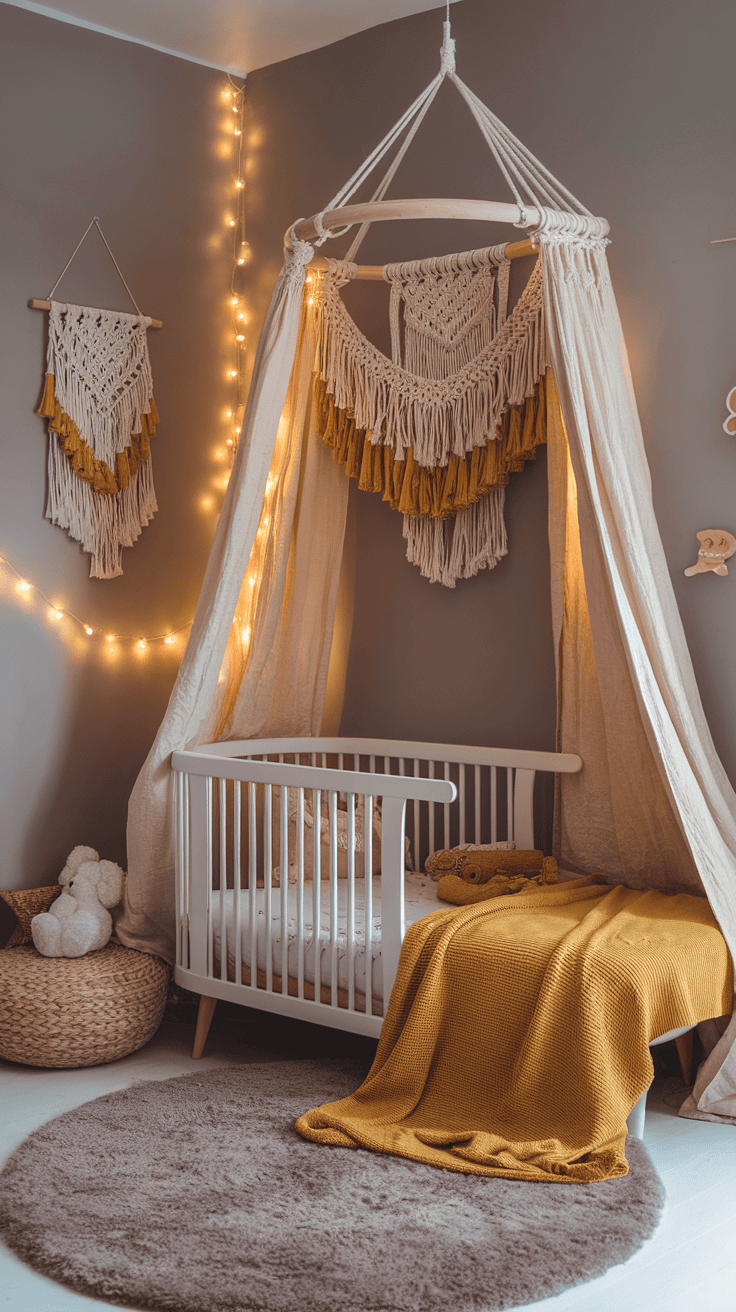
point(631, 106)
point(95, 125)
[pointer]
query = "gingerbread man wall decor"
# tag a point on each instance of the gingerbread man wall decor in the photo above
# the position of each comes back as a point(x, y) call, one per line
point(716, 545)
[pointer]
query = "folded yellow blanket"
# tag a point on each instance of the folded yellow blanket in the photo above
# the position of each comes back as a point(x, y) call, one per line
point(516, 1039)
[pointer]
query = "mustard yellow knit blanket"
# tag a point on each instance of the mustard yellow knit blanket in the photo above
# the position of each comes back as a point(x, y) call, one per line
point(516, 1039)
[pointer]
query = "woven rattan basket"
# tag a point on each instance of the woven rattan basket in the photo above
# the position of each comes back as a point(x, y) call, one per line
point(78, 1011)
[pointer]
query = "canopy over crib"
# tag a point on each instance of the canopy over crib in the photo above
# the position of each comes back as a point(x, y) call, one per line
point(653, 806)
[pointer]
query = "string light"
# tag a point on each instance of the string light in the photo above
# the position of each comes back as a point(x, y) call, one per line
point(234, 96)
point(57, 612)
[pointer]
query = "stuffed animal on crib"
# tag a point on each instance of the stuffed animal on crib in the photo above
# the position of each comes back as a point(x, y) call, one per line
point(473, 874)
point(79, 920)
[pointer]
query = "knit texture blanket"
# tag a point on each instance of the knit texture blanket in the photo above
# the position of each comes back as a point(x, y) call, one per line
point(516, 1038)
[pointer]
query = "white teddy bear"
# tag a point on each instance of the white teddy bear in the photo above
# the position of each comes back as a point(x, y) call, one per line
point(78, 921)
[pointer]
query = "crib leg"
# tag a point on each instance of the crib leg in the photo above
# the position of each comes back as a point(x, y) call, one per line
point(635, 1118)
point(685, 1053)
point(204, 1020)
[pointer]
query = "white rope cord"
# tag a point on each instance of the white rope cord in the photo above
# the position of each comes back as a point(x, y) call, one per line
point(530, 182)
point(384, 185)
point(375, 157)
point(95, 222)
point(531, 172)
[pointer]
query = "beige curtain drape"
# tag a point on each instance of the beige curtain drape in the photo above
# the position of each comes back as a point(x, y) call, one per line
point(257, 657)
point(653, 804)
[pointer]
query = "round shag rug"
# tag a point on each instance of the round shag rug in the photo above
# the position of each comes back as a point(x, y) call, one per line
point(197, 1195)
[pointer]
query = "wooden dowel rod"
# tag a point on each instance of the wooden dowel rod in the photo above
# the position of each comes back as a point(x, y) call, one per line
point(514, 251)
point(35, 304)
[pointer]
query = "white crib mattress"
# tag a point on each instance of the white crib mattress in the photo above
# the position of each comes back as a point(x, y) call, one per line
point(420, 899)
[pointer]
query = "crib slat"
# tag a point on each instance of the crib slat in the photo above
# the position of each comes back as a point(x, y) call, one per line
point(188, 877)
point(179, 858)
point(431, 813)
point(317, 887)
point(201, 882)
point(284, 883)
point(476, 770)
point(494, 805)
point(509, 803)
point(332, 808)
point(417, 835)
point(223, 877)
point(368, 903)
point(237, 876)
point(461, 802)
point(350, 920)
point(267, 877)
point(300, 891)
point(252, 882)
point(447, 809)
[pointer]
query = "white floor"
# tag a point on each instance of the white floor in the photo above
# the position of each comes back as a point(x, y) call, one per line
point(689, 1265)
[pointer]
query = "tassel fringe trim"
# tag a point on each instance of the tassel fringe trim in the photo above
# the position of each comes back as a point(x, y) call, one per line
point(444, 491)
point(97, 473)
point(434, 418)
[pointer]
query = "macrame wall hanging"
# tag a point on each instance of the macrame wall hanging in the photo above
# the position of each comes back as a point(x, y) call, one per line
point(98, 400)
point(438, 429)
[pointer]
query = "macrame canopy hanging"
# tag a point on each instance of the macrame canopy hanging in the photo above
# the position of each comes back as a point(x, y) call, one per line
point(439, 428)
point(653, 806)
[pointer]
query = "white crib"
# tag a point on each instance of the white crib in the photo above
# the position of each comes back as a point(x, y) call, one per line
point(325, 946)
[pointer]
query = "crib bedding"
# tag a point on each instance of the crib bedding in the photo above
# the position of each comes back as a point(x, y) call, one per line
point(420, 898)
point(572, 982)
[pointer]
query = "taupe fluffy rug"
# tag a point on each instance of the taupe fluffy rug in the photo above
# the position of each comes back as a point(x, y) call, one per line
point(197, 1195)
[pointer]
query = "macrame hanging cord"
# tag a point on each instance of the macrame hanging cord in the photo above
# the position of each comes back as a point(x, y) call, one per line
point(439, 428)
point(457, 409)
point(98, 400)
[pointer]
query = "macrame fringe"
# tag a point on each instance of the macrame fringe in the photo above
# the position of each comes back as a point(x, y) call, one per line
point(414, 489)
point(448, 550)
point(96, 472)
point(103, 525)
point(434, 418)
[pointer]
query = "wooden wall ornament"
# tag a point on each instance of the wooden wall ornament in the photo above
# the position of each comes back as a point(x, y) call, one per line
point(717, 545)
point(729, 425)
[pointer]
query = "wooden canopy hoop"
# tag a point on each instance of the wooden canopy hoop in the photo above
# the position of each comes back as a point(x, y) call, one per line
point(484, 211)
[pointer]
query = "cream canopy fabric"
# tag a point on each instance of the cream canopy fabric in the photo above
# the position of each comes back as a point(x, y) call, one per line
point(653, 804)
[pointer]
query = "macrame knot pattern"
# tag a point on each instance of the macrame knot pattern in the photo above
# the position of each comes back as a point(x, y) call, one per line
point(561, 226)
point(297, 255)
point(98, 399)
point(439, 427)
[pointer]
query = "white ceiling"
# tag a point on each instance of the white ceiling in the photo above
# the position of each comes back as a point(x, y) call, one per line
point(236, 35)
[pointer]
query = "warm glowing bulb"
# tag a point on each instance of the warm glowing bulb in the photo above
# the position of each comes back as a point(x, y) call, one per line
point(88, 630)
point(228, 414)
point(252, 580)
point(142, 644)
point(240, 337)
point(24, 586)
point(233, 373)
point(242, 316)
point(227, 95)
point(233, 300)
point(237, 132)
point(169, 639)
point(239, 183)
point(311, 301)
point(110, 637)
point(231, 223)
point(241, 260)
point(206, 503)
point(55, 613)
point(229, 441)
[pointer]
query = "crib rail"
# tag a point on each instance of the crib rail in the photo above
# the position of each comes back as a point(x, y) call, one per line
point(278, 846)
